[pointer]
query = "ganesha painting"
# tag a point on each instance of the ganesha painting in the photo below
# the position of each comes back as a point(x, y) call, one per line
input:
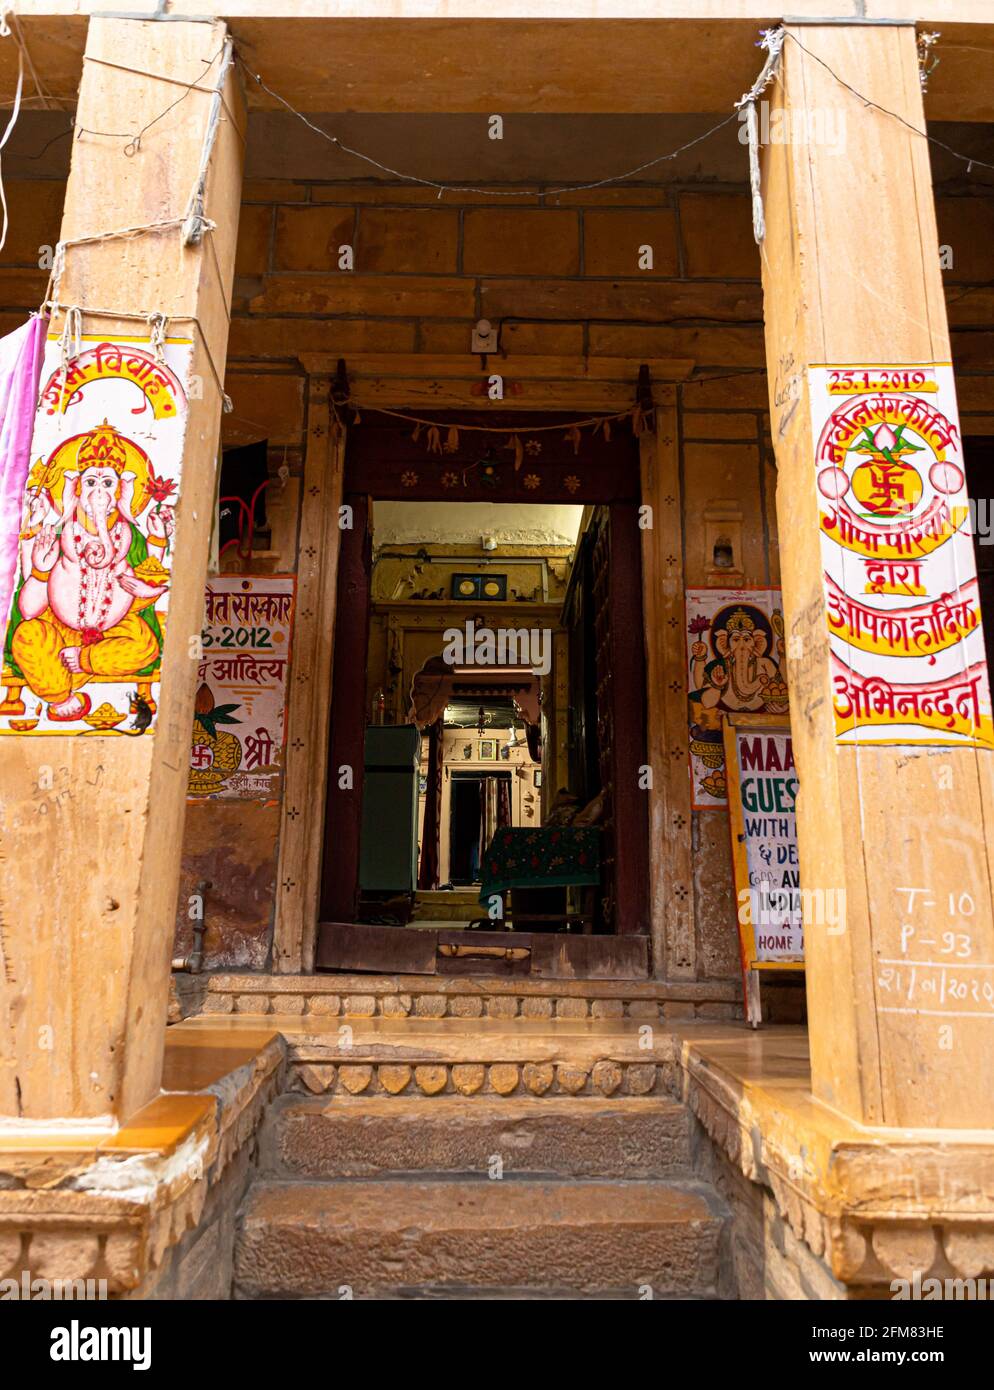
point(85, 629)
point(735, 665)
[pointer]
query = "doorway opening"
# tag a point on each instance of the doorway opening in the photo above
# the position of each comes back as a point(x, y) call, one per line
point(489, 698)
point(479, 806)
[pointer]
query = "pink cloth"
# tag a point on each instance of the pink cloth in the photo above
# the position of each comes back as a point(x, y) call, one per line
point(21, 354)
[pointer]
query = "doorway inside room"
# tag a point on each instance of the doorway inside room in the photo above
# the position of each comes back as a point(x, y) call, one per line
point(489, 712)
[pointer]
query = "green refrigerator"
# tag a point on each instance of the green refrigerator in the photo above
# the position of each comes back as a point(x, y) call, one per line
point(388, 851)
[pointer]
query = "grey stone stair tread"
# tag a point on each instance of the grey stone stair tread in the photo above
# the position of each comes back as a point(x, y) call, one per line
point(383, 1235)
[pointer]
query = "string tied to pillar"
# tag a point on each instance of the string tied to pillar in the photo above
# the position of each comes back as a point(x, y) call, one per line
point(158, 325)
point(772, 42)
point(70, 343)
point(927, 60)
point(195, 223)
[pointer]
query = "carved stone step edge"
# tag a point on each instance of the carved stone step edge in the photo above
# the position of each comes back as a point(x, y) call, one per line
point(539, 1079)
point(886, 1212)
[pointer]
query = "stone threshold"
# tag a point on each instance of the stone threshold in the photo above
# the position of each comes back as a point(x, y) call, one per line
point(452, 996)
point(429, 1057)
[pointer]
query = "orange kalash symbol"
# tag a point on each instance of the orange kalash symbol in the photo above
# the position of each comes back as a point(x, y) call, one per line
point(885, 485)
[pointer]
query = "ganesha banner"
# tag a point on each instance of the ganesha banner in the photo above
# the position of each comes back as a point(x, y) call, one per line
point(236, 748)
point(735, 653)
point(903, 604)
point(84, 628)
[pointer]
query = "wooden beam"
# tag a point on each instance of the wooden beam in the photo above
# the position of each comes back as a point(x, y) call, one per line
point(422, 383)
point(671, 885)
point(405, 366)
point(308, 708)
point(353, 58)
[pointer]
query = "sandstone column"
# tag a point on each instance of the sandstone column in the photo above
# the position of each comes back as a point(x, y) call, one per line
point(92, 825)
point(894, 759)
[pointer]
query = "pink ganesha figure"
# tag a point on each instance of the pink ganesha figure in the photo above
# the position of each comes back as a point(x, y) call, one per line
point(82, 612)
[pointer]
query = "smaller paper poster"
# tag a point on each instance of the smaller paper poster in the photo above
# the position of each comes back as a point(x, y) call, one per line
point(764, 841)
point(239, 717)
point(735, 656)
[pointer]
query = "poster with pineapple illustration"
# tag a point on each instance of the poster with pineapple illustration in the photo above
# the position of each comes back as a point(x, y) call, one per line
point(236, 747)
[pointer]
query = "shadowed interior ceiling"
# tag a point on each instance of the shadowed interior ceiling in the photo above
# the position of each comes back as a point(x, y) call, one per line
point(545, 150)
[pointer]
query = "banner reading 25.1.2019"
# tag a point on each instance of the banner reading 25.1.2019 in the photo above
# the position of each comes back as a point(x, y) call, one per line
point(900, 577)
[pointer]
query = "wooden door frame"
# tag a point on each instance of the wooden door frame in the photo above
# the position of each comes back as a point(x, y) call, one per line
point(339, 891)
point(568, 384)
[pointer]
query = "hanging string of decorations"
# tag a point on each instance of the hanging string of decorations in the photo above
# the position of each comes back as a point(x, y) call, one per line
point(442, 436)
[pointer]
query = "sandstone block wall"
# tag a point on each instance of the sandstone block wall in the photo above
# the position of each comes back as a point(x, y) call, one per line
point(561, 276)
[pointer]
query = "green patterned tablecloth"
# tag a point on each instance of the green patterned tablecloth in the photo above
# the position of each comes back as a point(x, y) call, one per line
point(544, 858)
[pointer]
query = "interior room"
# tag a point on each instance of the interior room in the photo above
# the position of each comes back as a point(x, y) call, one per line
point(486, 713)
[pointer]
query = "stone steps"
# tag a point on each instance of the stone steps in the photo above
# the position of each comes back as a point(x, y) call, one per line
point(441, 1237)
point(626, 1137)
point(455, 1158)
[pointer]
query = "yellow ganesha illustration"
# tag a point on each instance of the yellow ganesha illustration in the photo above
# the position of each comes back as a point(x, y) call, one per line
point(738, 670)
point(89, 577)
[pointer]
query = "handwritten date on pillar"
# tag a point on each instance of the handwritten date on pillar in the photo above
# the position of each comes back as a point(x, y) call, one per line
point(937, 972)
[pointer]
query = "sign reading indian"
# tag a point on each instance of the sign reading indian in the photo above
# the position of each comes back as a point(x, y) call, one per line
point(908, 662)
point(83, 637)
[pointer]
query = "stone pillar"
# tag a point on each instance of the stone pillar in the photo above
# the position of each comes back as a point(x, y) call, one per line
point(895, 806)
point(92, 824)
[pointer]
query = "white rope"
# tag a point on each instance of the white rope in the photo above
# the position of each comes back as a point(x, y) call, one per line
point(927, 63)
point(755, 175)
point(70, 344)
point(59, 257)
point(157, 325)
point(772, 42)
point(195, 221)
point(44, 94)
point(5, 33)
